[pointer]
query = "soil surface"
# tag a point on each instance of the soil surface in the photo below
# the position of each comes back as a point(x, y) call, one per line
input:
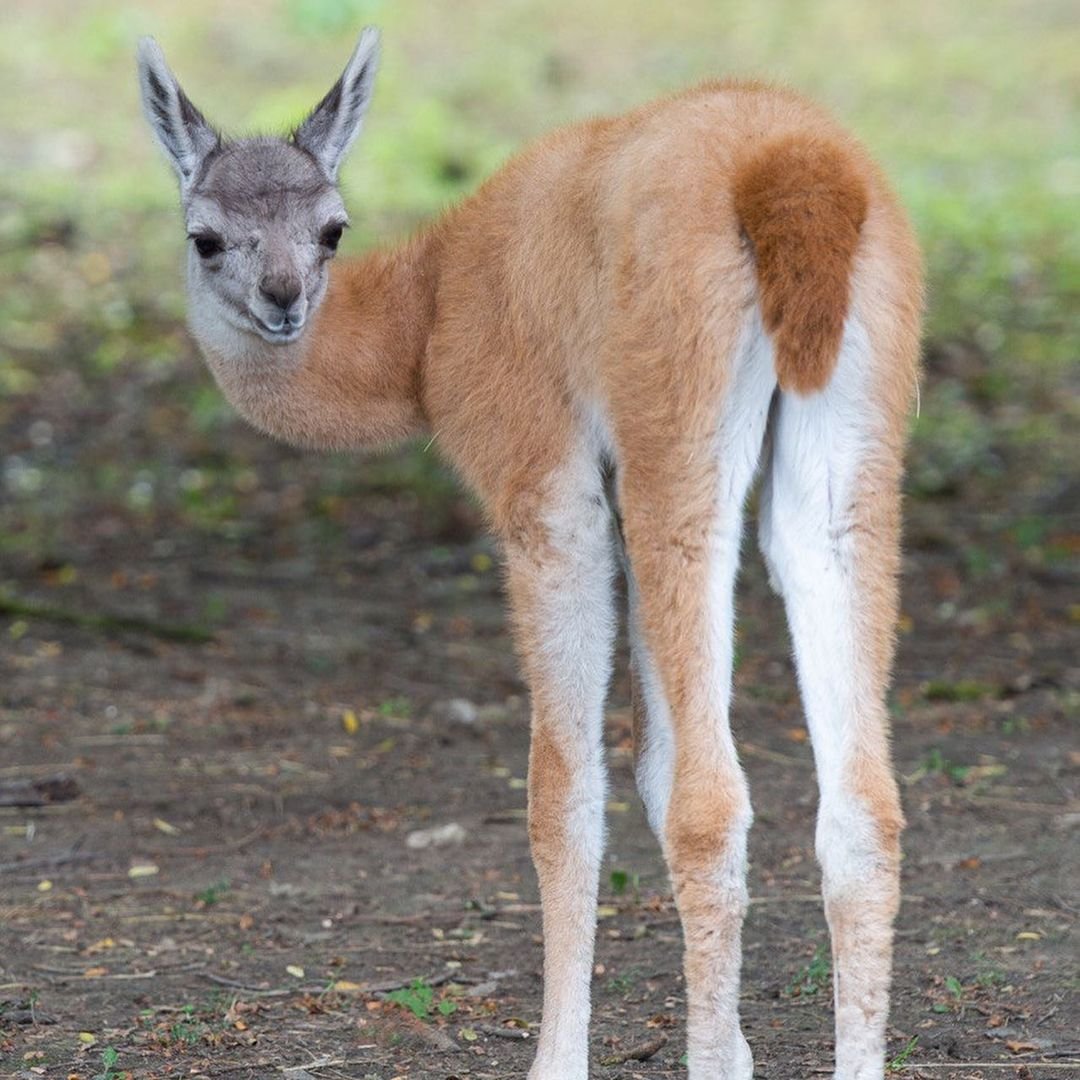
point(230, 888)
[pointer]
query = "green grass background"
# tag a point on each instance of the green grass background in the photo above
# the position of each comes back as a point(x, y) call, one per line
point(971, 106)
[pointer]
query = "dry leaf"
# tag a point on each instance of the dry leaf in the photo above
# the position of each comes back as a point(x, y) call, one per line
point(1019, 1047)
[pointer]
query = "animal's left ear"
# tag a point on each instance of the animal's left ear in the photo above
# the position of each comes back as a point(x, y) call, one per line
point(180, 129)
point(331, 129)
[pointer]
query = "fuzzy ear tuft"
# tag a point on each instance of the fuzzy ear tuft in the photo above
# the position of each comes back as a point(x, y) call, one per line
point(180, 129)
point(335, 122)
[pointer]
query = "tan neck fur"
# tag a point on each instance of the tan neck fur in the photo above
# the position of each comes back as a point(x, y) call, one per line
point(353, 379)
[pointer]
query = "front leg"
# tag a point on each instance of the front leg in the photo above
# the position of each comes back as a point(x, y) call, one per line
point(561, 571)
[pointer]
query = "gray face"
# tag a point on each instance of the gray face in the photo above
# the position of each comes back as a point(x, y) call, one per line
point(263, 215)
point(263, 220)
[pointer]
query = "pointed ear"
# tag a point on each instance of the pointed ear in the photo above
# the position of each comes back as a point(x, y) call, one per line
point(330, 130)
point(180, 129)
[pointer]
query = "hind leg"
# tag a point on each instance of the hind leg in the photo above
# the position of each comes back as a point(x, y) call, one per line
point(560, 576)
point(830, 533)
point(682, 514)
point(654, 736)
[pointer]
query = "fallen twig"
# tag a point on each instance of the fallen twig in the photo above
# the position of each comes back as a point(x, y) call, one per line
point(919, 1066)
point(49, 789)
point(502, 1032)
point(199, 850)
point(372, 989)
point(28, 1016)
point(182, 632)
point(153, 973)
point(402, 984)
point(641, 1052)
point(50, 862)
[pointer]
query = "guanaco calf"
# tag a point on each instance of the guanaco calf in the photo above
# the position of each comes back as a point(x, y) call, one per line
point(636, 314)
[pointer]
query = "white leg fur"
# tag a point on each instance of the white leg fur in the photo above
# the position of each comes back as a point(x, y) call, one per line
point(712, 906)
point(656, 750)
point(716, 1046)
point(813, 535)
point(566, 586)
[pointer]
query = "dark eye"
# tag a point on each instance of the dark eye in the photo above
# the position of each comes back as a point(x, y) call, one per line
point(331, 236)
point(208, 245)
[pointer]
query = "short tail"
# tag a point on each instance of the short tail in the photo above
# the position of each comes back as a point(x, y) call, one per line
point(802, 201)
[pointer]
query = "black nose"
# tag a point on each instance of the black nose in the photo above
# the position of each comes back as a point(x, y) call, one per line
point(282, 291)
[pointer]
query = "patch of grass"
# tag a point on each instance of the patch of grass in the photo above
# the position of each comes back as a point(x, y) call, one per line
point(621, 880)
point(901, 1059)
point(396, 708)
point(188, 1025)
point(209, 896)
point(936, 763)
point(813, 977)
point(955, 992)
point(622, 984)
point(105, 622)
point(990, 979)
point(417, 997)
point(962, 690)
point(1015, 725)
point(109, 1057)
point(188, 1029)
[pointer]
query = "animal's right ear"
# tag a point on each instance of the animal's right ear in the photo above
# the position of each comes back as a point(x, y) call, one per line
point(180, 129)
point(335, 122)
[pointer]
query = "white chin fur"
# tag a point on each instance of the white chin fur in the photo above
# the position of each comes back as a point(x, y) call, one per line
point(224, 336)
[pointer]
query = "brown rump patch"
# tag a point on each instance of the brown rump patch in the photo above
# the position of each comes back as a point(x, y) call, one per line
point(802, 200)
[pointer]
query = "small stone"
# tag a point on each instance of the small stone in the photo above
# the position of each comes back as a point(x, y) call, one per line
point(456, 711)
point(449, 835)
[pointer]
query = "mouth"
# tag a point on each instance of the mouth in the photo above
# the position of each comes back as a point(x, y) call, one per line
point(281, 334)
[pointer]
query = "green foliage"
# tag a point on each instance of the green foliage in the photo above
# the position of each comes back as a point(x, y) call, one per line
point(622, 984)
point(901, 1059)
point(188, 1029)
point(962, 690)
point(416, 997)
point(621, 880)
point(331, 17)
point(983, 153)
point(813, 977)
point(936, 763)
point(209, 896)
point(109, 1057)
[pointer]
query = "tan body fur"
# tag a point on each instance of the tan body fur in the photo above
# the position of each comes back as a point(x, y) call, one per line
point(590, 309)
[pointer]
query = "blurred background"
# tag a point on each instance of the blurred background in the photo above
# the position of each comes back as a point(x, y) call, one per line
point(254, 647)
point(972, 108)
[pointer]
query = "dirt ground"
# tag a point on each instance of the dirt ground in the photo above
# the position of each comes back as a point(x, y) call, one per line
point(231, 891)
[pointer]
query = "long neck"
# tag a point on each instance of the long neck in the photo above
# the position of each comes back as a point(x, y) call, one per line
point(353, 378)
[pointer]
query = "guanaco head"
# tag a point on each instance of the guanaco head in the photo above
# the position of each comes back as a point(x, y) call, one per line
point(263, 214)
